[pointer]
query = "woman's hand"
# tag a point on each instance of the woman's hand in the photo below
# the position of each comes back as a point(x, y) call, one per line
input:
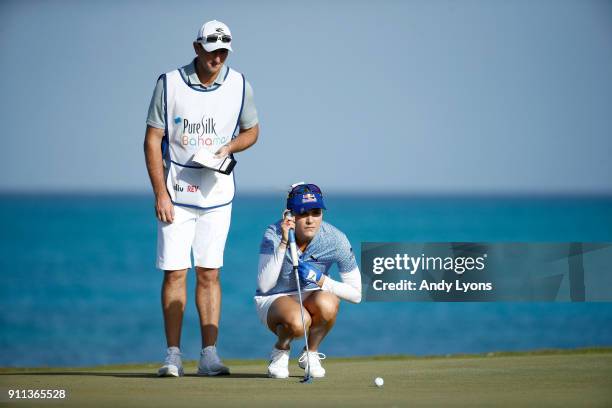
point(287, 223)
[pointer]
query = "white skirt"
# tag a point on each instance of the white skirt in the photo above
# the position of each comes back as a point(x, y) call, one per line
point(263, 303)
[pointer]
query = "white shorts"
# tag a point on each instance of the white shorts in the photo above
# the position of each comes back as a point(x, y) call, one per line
point(204, 231)
point(263, 303)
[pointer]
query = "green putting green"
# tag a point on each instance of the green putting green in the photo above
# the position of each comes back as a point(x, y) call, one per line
point(543, 378)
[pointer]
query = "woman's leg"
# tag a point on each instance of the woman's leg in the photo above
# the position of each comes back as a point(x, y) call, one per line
point(285, 320)
point(323, 309)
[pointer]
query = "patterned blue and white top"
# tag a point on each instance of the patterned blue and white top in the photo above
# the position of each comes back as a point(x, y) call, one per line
point(329, 246)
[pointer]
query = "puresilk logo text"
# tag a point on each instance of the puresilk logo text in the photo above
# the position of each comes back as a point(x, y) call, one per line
point(202, 133)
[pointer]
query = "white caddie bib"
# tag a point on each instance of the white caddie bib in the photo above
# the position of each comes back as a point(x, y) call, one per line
point(196, 119)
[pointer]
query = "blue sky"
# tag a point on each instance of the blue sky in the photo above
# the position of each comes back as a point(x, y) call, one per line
point(406, 97)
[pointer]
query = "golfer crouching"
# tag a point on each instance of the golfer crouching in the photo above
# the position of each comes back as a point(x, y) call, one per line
point(320, 245)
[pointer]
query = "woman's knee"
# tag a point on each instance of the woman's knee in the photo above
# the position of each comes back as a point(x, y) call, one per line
point(294, 325)
point(326, 307)
point(285, 312)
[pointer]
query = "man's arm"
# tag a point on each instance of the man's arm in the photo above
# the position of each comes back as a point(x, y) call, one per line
point(245, 139)
point(155, 166)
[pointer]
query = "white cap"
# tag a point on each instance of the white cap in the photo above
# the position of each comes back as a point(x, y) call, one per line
point(217, 28)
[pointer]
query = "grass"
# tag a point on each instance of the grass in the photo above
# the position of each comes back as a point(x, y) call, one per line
point(541, 378)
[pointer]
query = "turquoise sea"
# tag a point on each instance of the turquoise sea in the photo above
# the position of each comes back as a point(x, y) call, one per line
point(79, 286)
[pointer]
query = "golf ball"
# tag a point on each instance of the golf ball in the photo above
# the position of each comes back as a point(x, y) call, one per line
point(379, 381)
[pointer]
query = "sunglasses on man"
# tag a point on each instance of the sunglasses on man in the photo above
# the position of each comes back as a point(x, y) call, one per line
point(213, 38)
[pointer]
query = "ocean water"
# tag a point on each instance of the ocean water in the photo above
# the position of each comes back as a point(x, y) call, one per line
point(79, 286)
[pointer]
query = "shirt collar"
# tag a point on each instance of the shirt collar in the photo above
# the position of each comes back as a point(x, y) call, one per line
point(190, 72)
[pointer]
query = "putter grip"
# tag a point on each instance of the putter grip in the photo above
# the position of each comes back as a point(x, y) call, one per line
point(293, 248)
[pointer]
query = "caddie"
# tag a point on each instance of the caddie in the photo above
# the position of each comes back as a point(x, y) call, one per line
point(202, 107)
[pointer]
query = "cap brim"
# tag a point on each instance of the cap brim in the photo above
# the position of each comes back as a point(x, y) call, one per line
point(309, 206)
point(210, 47)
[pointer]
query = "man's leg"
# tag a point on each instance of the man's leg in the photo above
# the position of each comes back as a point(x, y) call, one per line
point(323, 308)
point(208, 246)
point(285, 320)
point(208, 301)
point(174, 258)
point(174, 297)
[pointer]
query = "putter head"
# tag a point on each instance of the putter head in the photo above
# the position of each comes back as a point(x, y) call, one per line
point(306, 380)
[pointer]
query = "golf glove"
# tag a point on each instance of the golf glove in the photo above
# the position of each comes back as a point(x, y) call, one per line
point(308, 272)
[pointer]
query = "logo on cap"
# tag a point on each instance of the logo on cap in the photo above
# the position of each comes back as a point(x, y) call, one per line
point(309, 198)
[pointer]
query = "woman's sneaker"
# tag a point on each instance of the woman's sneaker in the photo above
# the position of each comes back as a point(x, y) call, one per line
point(173, 366)
point(316, 370)
point(210, 363)
point(279, 364)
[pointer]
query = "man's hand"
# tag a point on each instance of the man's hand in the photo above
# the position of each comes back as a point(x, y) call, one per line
point(164, 208)
point(223, 151)
point(308, 272)
point(245, 139)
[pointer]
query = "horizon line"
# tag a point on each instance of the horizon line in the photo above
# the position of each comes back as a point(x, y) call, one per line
point(340, 193)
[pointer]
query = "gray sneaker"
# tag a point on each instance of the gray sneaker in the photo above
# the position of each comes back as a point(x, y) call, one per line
point(173, 366)
point(210, 363)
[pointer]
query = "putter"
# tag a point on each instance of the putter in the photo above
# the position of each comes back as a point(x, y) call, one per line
point(294, 258)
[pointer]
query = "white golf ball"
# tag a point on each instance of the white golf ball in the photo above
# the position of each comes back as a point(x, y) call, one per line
point(379, 381)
